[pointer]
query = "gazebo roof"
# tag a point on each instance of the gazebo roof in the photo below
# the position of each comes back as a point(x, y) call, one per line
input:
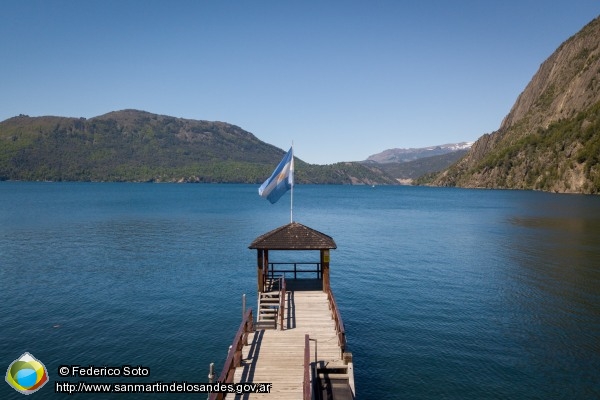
point(293, 236)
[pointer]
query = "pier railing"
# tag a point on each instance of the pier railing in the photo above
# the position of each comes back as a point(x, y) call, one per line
point(234, 357)
point(306, 384)
point(339, 324)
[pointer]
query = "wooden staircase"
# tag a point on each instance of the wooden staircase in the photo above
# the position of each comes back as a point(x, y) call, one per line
point(268, 310)
point(268, 305)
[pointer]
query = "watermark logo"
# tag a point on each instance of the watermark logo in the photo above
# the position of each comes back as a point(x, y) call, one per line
point(26, 374)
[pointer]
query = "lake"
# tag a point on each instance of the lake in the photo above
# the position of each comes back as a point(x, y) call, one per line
point(445, 293)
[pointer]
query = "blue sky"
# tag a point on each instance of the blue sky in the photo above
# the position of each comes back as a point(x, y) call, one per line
point(341, 79)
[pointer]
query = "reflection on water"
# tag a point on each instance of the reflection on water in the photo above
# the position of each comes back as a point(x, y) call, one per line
point(561, 244)
point(556, 246)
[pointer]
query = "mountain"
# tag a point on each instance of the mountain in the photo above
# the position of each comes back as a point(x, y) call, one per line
point(406, 165)
point(550, 139)
point(405, 155)
point(407, 172)
point(132, 145)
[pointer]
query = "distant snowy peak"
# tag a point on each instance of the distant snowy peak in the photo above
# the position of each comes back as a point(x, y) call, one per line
point(404, 155)
point(457, 146)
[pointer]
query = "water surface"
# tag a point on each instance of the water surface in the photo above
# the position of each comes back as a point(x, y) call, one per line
point(445, 293)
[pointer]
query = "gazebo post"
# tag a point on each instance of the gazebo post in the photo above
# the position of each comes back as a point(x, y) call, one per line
point(259, 269)
point(262, 260)
point(266, 264)
point(325, 268)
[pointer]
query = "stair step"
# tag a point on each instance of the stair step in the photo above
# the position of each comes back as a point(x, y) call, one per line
point(269, 297)
point(268, 308)
point(265, 325)
point(270, 301)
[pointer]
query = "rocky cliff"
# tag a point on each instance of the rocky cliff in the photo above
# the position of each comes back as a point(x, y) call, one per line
point(550, 139)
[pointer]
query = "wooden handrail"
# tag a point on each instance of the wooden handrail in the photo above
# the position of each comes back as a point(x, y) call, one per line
point(234, 357)
point(339, 324)
point(281, 301)
point(306, 384)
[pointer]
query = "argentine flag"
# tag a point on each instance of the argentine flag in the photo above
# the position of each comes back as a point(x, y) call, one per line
point(281, 180)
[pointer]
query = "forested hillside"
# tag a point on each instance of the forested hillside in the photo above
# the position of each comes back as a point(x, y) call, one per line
point(133, 145)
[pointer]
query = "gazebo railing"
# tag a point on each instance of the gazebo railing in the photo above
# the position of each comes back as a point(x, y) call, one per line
point(295, 268)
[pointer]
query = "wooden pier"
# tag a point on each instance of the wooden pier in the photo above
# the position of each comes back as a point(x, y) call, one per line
point(298, 341)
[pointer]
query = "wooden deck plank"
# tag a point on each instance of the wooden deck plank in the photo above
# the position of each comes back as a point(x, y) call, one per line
point(277, 356)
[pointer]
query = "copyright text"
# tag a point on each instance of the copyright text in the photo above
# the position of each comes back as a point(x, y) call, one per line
point(93, 371)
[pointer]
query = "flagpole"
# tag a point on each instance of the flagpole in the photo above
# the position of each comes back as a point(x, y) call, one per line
point(292, 190)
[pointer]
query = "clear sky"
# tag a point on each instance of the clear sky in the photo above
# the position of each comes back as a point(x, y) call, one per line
point(341, 79)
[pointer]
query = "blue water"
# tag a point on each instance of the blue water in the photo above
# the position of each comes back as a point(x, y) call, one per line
point(445, 293)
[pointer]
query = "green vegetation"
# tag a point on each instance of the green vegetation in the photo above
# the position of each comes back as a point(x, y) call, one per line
point(343, 172)
point(138, 146)
point(545, 157)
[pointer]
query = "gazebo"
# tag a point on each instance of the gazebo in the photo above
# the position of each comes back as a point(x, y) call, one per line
point(293, 236)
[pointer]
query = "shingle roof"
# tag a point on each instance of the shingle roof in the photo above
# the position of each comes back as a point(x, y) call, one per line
point(293, 236)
